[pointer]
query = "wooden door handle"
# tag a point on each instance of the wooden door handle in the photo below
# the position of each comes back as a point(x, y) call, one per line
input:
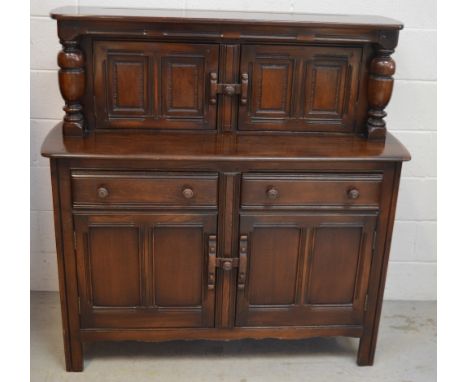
point(242, 262)
point(211, 261)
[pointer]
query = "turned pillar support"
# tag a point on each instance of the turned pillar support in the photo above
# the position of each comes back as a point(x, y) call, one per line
point(379, 90)
point(72, 86)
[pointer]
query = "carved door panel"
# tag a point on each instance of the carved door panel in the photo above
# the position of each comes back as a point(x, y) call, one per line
point(154, 85)
point(144, 270)
point(300, 88)
point(304, 269)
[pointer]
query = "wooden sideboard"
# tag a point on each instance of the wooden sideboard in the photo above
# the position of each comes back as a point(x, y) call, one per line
point(222, 175)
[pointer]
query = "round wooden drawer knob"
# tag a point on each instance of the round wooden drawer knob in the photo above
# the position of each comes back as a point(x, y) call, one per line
point(103, 192)
point(272, 193)
point(353, 193)
point(188, 193)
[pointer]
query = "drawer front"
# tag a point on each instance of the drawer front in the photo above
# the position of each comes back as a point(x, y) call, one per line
point(143, 188)
point(311, 189)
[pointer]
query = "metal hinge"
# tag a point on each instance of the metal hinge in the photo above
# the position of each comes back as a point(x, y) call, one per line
point(366, 303)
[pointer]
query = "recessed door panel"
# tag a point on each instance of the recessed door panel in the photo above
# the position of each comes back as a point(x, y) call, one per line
point(128, 93)
point(115, 260)
point(271, 93)
point(273, 265)
point(183, 86)
point(325, 82)
point(178, 262)
point(333, 269)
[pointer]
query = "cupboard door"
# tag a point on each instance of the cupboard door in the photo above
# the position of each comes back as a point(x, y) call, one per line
point(305, 269)
point(154, 85)
point(305, 88)
point(144, 270)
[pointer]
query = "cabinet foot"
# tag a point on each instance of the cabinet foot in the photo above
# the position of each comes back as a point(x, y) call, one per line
point(74, 357)
point(366, 351)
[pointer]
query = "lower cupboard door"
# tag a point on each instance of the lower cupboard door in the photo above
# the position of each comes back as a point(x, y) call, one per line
point(304, 269)
point(144, 271)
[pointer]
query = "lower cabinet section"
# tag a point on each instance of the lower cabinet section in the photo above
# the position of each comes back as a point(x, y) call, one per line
point(157, 270)
point(140, 271)
point(242, 255)
point(305, 269)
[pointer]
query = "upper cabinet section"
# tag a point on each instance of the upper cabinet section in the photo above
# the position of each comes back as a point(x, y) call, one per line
point(153, 85)
point(235, 72)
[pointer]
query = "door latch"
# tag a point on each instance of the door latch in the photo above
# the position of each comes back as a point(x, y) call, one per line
point(229, 89)
point(227, 263)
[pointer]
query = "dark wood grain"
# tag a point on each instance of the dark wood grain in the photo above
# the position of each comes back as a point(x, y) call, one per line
point(222, 175)
point(281, 332)
point(144, 189)
point(368, 342)
point(379, 90)
point(301, 88)
point(292, 267)
point(293, 190)
point(174, 15)
point(222, 147)
point(71, 61)
point(141, 270)
point(298, 72)
point(153, 85)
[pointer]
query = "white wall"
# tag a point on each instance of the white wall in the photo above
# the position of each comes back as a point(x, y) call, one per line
point(412, 117)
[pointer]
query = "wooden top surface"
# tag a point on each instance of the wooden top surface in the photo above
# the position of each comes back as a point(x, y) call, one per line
point(221, 147)
point(230, 17)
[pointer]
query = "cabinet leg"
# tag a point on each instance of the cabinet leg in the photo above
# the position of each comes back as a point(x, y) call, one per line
point(366, 350)
point(74, 355)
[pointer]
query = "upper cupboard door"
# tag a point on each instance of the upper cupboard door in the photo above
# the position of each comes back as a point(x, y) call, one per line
point(300, 88)
point(154, 85)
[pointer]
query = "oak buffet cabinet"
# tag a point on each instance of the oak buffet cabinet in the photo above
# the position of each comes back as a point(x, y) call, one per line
point(222, 175)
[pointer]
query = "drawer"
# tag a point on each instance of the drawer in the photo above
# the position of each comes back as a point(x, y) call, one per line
point(144, 188)
point(311, 189)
